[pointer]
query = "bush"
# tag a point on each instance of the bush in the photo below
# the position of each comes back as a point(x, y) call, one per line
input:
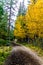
point(3, 42)
point(4, 52)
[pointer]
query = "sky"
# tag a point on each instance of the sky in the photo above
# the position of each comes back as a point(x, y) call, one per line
point(26, 2)
point(18, 4)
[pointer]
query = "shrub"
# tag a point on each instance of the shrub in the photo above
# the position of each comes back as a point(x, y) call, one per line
point(3, 42)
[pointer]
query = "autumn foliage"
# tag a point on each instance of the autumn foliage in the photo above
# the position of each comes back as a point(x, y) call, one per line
point(19, 31)
point(31, 24)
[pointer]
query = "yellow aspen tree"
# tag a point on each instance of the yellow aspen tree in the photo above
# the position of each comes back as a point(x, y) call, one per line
point(19, 31)
point(35, 14)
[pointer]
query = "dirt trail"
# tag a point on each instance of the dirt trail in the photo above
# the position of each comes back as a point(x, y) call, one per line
point(21, 55)
point(41, 57)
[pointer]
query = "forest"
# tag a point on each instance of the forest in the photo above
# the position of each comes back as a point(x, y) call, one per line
point(21, 24)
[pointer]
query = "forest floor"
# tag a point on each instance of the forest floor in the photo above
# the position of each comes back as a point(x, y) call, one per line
point(35, 49)
point(4, 51)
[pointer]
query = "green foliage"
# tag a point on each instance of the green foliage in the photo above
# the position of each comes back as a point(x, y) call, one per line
point(3, 26)
point(4, 52)
point(3, 23)
point(11, 34)
point(1, 11)
point(2, 41)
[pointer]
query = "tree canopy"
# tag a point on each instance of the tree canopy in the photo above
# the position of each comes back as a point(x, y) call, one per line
point(32, 21)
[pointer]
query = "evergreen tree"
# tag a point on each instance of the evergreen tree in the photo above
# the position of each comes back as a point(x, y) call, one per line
point(3, 22)
point(22, 9)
